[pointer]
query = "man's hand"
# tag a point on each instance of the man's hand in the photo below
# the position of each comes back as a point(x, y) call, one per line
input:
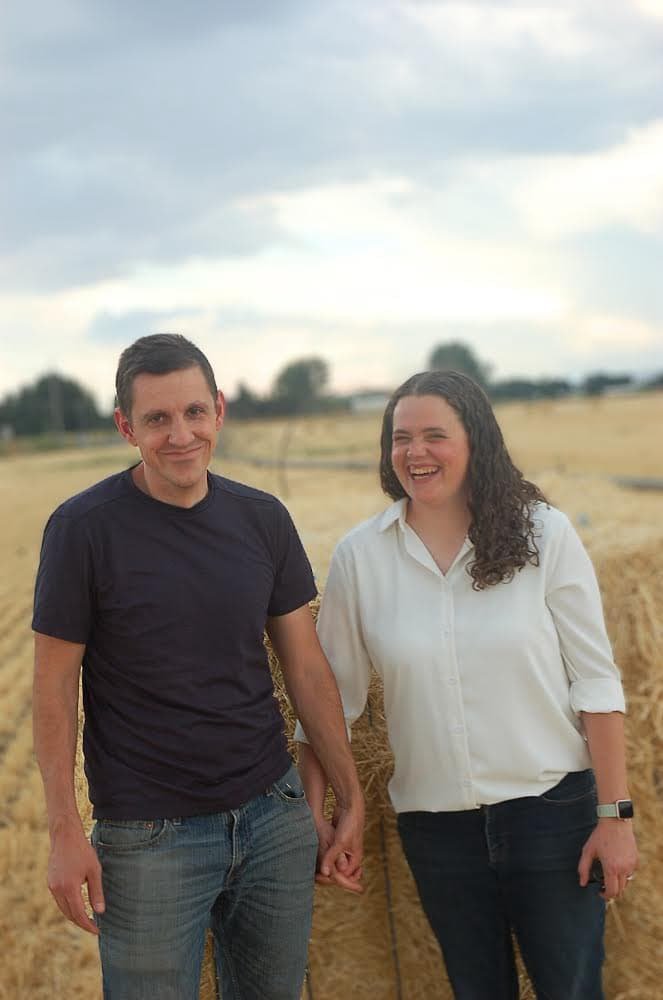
point(612, 841)
point(72, 864)
point(340, 850)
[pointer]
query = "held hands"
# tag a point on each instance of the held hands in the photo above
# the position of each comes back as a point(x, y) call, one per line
point(72, 863)
point(340, 849)
point(612, 841)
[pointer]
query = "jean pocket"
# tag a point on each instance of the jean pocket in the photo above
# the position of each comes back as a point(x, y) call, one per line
point(574, 787)
point(289, 788)
point(128, 835)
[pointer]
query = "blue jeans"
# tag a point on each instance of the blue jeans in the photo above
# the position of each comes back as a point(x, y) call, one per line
point(247, 873)
point(484, 873)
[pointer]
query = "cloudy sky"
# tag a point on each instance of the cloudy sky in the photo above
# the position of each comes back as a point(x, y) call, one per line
point(356, 179)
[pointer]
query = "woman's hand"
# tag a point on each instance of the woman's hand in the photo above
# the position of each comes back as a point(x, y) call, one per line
point(340, 842)
point(336, 856)
point(612, 841)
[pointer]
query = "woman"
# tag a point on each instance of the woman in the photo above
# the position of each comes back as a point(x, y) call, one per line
point(475, 601)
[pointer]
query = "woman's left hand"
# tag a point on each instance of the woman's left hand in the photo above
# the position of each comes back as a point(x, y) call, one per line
point(612, 841)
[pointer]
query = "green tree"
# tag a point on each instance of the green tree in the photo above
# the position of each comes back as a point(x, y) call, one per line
point(299, 386)
point(597, 383)
point(246, 403)
point(52, 404)
point(456, 356)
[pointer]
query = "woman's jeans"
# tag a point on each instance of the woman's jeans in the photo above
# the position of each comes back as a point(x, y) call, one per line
point(512, 867)
point(247, 873)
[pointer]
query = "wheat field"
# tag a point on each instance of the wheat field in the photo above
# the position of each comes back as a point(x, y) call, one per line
point(572, 448)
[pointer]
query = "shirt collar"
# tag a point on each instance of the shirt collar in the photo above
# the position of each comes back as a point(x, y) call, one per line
point(396, 512)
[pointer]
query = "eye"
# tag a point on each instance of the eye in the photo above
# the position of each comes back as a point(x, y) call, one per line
point(196, 411)
point(155, 419)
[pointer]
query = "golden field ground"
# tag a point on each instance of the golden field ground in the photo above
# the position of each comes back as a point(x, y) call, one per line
point(572, 448)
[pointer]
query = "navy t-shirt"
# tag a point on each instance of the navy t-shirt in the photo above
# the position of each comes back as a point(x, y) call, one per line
point(171, 603)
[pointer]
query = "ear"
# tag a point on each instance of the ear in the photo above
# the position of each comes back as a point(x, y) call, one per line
point(220, 408)
point(124, 426)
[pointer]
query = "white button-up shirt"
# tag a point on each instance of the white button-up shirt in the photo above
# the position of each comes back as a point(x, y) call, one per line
point(482, 689)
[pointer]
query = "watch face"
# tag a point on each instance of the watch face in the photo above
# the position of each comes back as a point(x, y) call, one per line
point(625, 809)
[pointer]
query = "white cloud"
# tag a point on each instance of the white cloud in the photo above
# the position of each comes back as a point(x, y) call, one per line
point(595, 332)
point(484, 27)
point(565, 195)
point(379, 251)
point(652, 8)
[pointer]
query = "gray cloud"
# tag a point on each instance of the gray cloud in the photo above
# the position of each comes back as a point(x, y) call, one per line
point(124, 328)
point(135, 131)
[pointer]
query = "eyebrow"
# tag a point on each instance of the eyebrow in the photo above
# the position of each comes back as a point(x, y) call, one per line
point(425, 430)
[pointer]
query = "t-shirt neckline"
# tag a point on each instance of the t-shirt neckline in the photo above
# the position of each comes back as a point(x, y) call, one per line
point(163, 505)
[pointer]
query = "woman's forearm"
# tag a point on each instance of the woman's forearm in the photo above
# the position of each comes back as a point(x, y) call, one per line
point(605, 739)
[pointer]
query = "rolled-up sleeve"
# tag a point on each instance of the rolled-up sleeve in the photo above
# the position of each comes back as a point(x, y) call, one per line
point(574, 601)
point(340, 634)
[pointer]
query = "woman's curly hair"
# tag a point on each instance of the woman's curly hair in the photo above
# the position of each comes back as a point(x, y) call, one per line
point(500, 499)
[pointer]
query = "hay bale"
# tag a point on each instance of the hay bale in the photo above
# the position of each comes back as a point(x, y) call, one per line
point(632, 588)
point(379, 946)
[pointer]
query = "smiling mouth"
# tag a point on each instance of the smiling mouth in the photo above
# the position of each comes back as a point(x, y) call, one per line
point(425, 472)
point(191, 453)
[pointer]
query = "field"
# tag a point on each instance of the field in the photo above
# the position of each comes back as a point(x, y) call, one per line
point(574, 449)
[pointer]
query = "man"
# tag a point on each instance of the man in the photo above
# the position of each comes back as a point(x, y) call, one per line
point(159, 581)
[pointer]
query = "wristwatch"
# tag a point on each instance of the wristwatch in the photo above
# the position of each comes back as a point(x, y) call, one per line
point(621, 809)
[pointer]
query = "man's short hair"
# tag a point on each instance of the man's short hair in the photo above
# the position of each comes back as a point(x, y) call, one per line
point(157, 354)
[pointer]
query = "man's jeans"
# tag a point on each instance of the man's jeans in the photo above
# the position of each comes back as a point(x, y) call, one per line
point(247, 873)
point(512, 866)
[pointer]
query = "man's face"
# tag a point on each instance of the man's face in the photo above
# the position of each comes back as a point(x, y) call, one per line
point(174, 423)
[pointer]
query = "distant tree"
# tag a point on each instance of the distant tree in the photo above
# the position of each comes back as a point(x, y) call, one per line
point(52, 404)
point(456, 356)
point(299, 386)
point(655, 382)
point(514, 388)
point(554, 388)
point(522, 388)
point(246, 403)
point(597, 383)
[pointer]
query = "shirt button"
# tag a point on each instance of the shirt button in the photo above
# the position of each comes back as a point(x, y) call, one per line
point(466, 782)
point(458, 729)
point(452, 680)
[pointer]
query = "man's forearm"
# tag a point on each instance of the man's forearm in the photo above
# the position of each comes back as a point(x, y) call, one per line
point(314, 779)
point(72, 861)
point(55, 726)
point(319, 709)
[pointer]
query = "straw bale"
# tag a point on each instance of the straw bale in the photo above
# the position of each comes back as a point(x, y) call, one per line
point(632, 587)
point(378, 946)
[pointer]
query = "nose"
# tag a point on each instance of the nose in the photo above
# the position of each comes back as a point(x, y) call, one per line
point(180, 433)
point(415, 447)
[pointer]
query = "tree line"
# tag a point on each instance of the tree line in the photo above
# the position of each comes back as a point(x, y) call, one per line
point(55, 404)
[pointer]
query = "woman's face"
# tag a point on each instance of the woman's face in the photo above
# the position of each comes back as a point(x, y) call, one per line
point(430, 451)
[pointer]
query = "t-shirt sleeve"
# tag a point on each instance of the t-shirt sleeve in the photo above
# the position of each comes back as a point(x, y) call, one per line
point(574, 600)
point(64, 585)
point(294, 584)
